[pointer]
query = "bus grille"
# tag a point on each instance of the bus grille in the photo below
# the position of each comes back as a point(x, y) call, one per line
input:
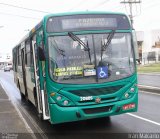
point(97, 110)
point(97, 91)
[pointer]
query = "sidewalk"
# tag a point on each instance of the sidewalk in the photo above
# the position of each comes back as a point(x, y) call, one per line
point(11, 124)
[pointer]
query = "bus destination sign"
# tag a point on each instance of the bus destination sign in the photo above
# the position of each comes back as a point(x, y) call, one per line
point(88, 22)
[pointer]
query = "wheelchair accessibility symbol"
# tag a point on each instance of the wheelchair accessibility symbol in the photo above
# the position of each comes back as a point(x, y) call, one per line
point(102, 72)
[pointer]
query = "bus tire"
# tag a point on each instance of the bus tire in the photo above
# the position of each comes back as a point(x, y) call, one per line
point(23, 98)
point(105, 120)
point(99, 121)
point(26, 97)
point(22, 95)
point(35, 98)
point(40, 115)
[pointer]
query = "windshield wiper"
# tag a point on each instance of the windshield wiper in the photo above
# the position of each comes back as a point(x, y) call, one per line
point(105, 45)
point(86, 46)
point(60, 51)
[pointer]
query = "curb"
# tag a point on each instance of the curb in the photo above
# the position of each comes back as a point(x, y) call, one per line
point(149, 88)
point(151, 74)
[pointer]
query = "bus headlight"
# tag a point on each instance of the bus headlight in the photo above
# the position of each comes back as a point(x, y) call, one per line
point(65, 103)
point(129, 93)
point(132, 89)
point(62, 100)
point(126, 95)
point(59, 98)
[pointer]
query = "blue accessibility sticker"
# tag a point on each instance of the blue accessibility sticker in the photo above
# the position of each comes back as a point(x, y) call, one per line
point(102, 72)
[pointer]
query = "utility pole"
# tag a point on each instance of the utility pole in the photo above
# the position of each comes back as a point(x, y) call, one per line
point(130, 3)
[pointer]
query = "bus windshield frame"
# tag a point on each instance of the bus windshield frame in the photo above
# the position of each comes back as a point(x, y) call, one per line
point(69, 71)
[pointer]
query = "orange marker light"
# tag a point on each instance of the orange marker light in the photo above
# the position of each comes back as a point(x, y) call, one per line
point(52, 94)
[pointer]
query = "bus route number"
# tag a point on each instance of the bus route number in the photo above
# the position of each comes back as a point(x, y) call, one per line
point(86, 98)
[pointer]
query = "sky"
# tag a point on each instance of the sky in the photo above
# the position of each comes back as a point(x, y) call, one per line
point(16, 22)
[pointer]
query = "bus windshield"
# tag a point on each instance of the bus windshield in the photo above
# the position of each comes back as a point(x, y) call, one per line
point(70, 61)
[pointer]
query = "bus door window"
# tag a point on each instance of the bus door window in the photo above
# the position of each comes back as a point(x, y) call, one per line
point(15, 55)
point(19, 56)
point(23, 58)
point(34, 46)
point(27, 53)
point(40, 43)
point(23, 71)
point(43, 62)
point(32, 62)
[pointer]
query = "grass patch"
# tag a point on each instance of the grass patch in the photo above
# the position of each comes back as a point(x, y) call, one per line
point(148, 68)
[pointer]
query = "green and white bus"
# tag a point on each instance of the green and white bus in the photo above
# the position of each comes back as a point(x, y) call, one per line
point(78, 66)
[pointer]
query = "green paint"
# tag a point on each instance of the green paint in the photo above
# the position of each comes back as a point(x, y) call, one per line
point(59, 113)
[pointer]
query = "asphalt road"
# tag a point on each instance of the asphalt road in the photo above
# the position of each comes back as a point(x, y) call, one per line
point(149, 79)
point(146, 120)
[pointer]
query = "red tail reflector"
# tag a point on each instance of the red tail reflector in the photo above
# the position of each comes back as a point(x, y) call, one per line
point(129, 106)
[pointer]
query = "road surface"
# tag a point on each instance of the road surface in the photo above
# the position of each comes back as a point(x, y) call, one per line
point(149, 79)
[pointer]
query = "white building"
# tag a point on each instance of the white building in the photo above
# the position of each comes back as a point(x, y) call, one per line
point(149, 45)
point(5, 59)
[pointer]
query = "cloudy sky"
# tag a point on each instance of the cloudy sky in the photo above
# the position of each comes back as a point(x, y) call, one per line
point(19, 16)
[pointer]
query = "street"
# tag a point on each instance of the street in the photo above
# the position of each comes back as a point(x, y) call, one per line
point(149, 80)
point(146, 120)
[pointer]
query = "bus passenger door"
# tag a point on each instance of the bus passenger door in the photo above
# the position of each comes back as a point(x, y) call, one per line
point(24, 72)
point(36, 75)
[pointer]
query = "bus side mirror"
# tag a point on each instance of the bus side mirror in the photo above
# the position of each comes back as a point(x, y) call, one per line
point(136, 51)
point(41, 55)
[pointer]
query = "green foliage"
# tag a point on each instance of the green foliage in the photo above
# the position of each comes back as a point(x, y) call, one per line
point(149, 68)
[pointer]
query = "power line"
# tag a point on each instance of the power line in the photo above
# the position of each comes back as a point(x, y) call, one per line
point(15, 6)
point(152, 5)
point(19, 16)
point(77, 5)
point(138, 11)
point(82, 3)
point(100, 4)
point(130, 3)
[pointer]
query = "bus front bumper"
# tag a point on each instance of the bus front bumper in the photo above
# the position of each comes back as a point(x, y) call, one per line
point(60, 114)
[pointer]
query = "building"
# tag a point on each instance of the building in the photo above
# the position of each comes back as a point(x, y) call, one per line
point(149, 45)
point(5, 59)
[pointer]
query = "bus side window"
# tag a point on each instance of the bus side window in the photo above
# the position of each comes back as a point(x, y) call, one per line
point(28, 53)
point(31, 56)
point(19, 56)
point(14, 59)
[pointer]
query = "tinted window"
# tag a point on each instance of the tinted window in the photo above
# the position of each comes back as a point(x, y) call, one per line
point(15, 57)
point(19, 56)
point(27, 53)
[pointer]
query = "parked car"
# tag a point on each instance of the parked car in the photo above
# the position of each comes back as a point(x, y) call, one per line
point(6, 68)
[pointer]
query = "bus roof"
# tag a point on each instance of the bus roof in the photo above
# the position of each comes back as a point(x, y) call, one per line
point(83, 12)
